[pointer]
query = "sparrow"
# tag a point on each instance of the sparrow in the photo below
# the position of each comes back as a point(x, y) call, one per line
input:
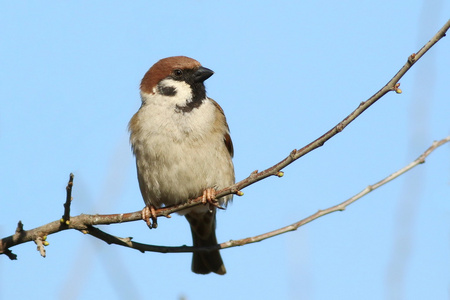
point(183, 150)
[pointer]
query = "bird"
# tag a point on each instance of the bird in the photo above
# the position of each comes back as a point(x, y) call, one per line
point(183, 149)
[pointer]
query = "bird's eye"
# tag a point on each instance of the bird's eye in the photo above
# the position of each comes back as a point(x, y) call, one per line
point(178, 72)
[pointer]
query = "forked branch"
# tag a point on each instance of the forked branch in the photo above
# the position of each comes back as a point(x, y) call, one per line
point(85, 223)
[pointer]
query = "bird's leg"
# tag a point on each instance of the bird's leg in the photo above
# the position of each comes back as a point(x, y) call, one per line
point(148, 212)
point(209, 197)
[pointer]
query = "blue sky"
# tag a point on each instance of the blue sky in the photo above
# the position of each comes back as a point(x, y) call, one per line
point(285, 72)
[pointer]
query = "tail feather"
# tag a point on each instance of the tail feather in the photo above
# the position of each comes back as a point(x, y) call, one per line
point(203, 228)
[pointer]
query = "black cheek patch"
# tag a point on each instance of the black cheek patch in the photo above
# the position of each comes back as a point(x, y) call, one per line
point(167, 90)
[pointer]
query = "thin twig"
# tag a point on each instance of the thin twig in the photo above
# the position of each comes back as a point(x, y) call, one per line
point(85, 223)
point(340, 207)
point(65, 219)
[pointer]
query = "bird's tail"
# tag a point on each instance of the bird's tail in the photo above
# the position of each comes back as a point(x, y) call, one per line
point(203, 228)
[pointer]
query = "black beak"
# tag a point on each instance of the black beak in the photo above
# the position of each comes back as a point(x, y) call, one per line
point(202, 74)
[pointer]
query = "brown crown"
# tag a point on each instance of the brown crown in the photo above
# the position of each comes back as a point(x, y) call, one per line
point(164, 68)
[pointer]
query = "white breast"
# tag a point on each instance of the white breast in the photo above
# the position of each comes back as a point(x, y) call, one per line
point(178, 155)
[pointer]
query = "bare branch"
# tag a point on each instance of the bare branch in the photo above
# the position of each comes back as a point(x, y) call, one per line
point(340, 207)
point(85, 223)
point(65, 219)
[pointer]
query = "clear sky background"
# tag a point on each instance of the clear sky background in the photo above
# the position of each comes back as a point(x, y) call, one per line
point(285, 72)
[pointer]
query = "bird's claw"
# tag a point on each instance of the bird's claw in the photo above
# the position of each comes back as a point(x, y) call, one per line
point(149, 212)
point(209, 197)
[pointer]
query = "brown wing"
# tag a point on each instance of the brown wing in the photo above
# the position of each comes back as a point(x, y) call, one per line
point(226, 135)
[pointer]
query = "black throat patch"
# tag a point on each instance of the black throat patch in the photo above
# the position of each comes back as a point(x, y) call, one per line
point(189, 106)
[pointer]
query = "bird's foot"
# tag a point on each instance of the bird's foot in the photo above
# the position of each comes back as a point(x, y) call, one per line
point(149, 212)
point(209, 197)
